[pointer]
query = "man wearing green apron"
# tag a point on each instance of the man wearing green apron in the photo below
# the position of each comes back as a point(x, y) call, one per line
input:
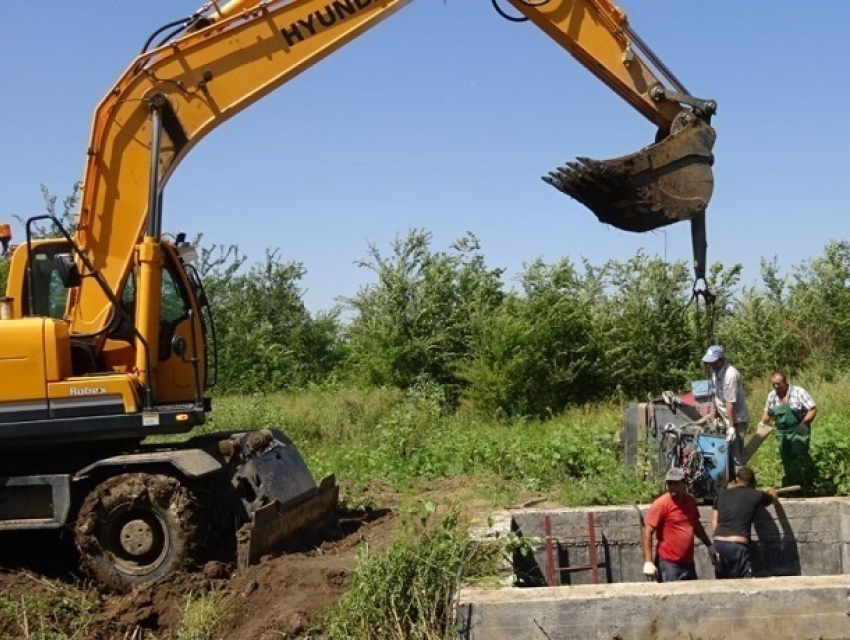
point(792, 410)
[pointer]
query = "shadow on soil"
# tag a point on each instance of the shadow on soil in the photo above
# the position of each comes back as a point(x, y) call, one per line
point(48, 553)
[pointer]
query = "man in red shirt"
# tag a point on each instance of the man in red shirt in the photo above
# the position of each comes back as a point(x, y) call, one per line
point(674, 519)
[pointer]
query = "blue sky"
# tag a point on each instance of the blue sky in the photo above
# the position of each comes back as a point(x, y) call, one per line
point(444, 117)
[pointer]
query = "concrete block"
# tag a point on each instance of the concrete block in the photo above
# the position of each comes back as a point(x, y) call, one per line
point(797, 537)
point(800, 608)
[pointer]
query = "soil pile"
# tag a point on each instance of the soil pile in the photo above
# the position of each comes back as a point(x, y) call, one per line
point(283, 596)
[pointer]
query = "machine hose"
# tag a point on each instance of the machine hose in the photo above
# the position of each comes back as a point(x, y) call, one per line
point(511, 18)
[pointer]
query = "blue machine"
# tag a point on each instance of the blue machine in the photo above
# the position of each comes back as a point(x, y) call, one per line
point(707, 469)
point(683, 437)
point(715, 451)
point(702, 455)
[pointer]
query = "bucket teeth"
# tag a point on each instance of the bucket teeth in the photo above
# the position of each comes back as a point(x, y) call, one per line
point(667, 182)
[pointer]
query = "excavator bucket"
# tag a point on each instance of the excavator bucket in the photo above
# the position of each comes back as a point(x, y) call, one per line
point(670, 181)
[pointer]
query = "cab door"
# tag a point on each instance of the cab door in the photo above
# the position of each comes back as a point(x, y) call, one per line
point(180, 352)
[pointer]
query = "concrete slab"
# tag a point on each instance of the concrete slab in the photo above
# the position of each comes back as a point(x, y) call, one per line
point(776, 608)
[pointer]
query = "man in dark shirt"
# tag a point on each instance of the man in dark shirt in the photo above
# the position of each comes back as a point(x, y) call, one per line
point(732, 519)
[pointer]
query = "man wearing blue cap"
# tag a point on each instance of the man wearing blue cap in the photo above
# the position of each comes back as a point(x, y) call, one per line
point(729, 401)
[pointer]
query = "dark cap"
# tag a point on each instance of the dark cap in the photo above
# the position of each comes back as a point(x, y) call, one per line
point(674, 475)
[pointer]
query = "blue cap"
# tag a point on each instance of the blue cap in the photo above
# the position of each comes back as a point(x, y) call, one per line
point(714, 353)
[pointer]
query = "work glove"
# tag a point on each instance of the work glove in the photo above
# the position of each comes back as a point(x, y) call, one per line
point(730, 433)
point(802, 429)
point(649, 569)
point(712, 554)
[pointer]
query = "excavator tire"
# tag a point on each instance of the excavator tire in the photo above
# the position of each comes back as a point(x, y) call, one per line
point(136, 528)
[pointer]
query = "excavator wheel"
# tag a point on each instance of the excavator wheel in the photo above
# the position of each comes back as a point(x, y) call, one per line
point(669, 181)
point(136, 528)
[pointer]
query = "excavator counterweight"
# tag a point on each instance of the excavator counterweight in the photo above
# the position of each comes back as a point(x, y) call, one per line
point(670, 181)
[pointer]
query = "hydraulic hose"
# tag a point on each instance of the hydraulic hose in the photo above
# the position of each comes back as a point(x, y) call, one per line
point(511, 18)
point(181, 24)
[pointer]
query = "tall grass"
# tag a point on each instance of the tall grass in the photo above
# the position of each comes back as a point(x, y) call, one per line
point(50, 610)
point(386, 437)
point(407, 592)
point(202, 616)
point(401, 439)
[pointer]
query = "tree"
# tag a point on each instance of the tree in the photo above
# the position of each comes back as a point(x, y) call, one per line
point(819, 300)
point(4, 273)
point(534, 353)
point(267, 340)
point(415, 323)
point(67, 216)
point(761, 332)
point(641, 324)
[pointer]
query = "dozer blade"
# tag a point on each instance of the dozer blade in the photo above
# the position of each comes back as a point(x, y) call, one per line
point(667, 182)
point(280, 501)
point(274, 523)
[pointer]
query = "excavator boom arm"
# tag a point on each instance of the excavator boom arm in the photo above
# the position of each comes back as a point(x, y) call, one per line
point(233, 54)
point(596, 33)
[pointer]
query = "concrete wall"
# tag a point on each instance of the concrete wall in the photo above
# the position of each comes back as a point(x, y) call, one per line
point(798, 608)
point(797, 537)
point(844, 520)
point(805, 537)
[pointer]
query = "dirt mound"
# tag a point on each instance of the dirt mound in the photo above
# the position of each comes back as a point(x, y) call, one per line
point(282, 596)
point(155, 608)
point(285, 596)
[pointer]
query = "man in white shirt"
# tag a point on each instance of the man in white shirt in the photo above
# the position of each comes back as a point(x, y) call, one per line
point(729, 402)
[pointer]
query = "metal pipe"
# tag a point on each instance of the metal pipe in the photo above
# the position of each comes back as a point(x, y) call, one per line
point(550, 552)
point(655, 60)
point(699, 245)
point(154, 227)
point(594, 552)
point(194, 360)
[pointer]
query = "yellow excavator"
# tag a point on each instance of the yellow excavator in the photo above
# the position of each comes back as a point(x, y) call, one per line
point(106, 334)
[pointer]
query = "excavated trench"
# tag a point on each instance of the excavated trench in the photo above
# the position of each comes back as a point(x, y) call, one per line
point(587, 582)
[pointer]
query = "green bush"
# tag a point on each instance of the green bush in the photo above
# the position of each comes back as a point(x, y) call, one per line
point(535, 353)
point(414, 324)
point(267, 340)
point(407, 592)
point(51, 611)
point(820, 301)
point(4, 274)
point(380, 438)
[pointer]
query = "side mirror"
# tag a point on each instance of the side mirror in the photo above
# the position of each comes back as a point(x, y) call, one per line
point(178, 346)
point(68, 272)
